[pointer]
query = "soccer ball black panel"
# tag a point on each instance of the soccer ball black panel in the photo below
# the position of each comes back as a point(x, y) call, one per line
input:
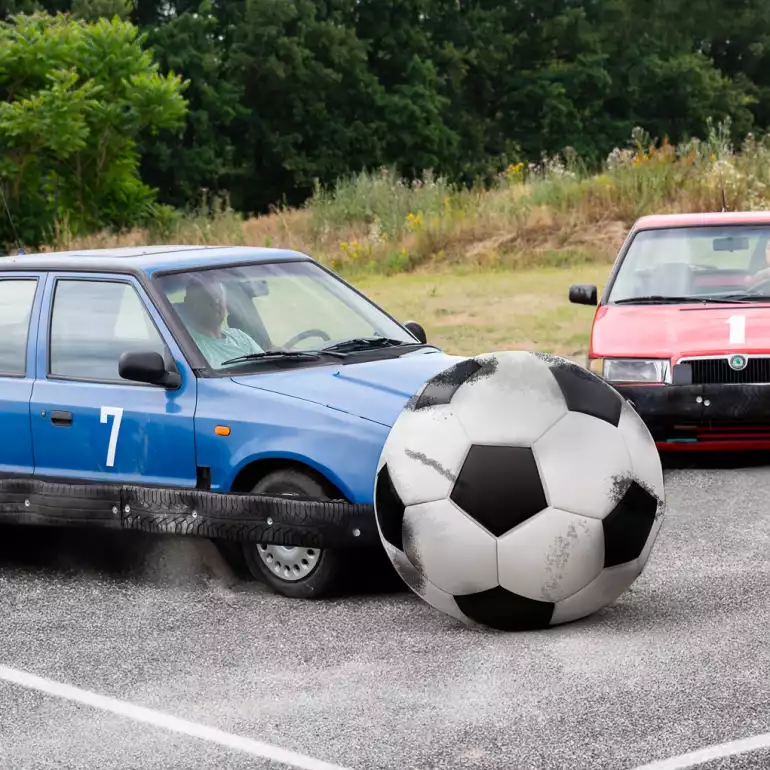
point(499, 487)
point(585, 392)
point(390, 510)
point(517, 490)
point(628, 525)
point(443, 386)
point(505, 611)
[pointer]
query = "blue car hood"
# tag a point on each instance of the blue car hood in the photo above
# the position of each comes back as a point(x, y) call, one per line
point(375, 390)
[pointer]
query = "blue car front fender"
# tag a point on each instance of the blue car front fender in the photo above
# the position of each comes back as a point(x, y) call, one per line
point(267, 426)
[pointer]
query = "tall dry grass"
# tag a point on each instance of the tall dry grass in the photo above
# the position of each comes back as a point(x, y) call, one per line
point(551, 213)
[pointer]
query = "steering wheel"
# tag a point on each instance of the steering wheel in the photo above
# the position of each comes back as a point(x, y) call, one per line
point(306, 335)
point(754, 287)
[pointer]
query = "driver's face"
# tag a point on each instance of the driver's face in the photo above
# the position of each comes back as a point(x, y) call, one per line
point(207, 304)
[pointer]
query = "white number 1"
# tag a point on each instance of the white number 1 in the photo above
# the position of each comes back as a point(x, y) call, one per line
point(737, 324)
point(117, 413)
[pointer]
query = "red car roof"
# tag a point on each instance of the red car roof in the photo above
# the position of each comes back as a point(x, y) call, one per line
point(710, 218)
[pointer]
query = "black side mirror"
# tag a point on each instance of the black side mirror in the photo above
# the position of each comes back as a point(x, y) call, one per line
point(417, 331)
point(583, 294)
point(147, 367)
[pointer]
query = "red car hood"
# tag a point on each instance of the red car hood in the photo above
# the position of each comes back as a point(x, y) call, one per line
point(671, 331)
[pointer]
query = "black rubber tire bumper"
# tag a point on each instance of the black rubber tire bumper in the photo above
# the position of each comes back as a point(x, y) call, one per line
point(663, 407)
point(664, 403)
point(189, 513)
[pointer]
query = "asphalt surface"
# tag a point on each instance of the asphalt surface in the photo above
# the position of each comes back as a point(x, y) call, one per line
point(381, 680)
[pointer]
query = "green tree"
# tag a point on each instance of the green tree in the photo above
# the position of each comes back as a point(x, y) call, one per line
point(74, 97)
point(93, 10)
point(663, 74)
point(311, 103)
point(192, 43)
point(405, 58)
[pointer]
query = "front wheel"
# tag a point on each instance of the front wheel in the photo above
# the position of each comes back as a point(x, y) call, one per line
point(296, 572)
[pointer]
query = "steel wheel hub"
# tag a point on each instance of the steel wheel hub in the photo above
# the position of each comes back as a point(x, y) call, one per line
point(289, 563)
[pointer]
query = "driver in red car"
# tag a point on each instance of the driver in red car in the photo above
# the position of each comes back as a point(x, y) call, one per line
point(205, 309)
point(764, 273)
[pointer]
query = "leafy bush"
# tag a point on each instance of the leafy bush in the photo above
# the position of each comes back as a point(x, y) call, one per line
point(74, 96)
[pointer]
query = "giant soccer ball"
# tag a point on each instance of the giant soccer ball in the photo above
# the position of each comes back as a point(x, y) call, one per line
point(518, 490)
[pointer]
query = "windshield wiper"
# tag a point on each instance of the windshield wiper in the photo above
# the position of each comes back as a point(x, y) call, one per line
point(660, 299)
point(311, 355)
point(748, 297)
point(365, 343)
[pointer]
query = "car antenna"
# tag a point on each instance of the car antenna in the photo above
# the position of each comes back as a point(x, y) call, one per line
point(722, 189)
point(21, 251)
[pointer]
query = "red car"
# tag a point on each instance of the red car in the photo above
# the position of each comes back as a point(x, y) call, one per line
point(682, 329)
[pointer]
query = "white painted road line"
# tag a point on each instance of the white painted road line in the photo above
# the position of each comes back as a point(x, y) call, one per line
point(166, 721)
point(700, 757)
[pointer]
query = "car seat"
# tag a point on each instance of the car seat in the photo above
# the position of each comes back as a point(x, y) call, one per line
point(758, 257)
point(243, 315)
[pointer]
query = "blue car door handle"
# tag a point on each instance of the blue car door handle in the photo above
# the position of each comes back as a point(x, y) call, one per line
point(61, 418)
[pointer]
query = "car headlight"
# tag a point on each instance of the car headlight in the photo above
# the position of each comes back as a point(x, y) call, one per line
point(643, 370)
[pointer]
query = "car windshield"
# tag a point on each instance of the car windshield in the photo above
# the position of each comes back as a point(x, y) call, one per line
point(695, 263)
point(275, 309)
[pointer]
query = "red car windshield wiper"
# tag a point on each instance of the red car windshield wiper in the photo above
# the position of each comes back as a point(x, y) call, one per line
point(748, 297)
point(655, 299)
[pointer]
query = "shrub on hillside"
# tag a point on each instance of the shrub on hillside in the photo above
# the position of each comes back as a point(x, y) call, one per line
point(556, 212)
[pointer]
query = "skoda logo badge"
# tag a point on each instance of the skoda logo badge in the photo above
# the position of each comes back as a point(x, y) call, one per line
point(738, 363)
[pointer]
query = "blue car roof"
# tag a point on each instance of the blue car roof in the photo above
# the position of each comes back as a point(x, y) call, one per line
point(147, 259)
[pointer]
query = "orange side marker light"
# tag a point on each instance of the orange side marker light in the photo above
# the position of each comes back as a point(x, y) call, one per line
point(222, 430)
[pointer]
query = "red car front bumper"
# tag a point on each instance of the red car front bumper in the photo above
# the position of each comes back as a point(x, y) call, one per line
point(704, 417)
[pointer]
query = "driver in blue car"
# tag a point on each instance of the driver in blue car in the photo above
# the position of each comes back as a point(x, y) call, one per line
point(205, 310)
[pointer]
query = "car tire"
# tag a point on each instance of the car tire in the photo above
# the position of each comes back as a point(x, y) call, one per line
point(298, 573)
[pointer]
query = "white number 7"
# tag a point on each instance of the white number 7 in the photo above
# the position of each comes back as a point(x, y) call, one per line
point(737, 324)
point(117, 413)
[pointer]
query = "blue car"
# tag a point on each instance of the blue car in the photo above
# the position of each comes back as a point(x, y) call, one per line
point(240, 394)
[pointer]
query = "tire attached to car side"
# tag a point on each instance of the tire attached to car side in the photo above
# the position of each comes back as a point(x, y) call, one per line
point(295, 572)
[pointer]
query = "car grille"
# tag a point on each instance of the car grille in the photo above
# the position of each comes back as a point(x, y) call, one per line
point(716, 371)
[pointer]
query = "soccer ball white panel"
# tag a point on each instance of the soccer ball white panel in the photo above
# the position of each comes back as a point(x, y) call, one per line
point(645, 459)
point(444, 544)
point(424, 453)
point(610, 584)
point(518, 402)
point(551, 556)
point(437, 598)
point(583, 462)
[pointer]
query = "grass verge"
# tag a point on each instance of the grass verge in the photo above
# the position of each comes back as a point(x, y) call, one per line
point(468, 313)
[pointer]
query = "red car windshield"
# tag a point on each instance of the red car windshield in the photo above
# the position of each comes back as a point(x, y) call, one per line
point(695, 262)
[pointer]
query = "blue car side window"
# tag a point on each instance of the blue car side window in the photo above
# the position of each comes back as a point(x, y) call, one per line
point(16, 298)
point(93, 323)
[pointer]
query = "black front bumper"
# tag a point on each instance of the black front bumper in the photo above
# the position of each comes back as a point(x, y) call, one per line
point(694, 414)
